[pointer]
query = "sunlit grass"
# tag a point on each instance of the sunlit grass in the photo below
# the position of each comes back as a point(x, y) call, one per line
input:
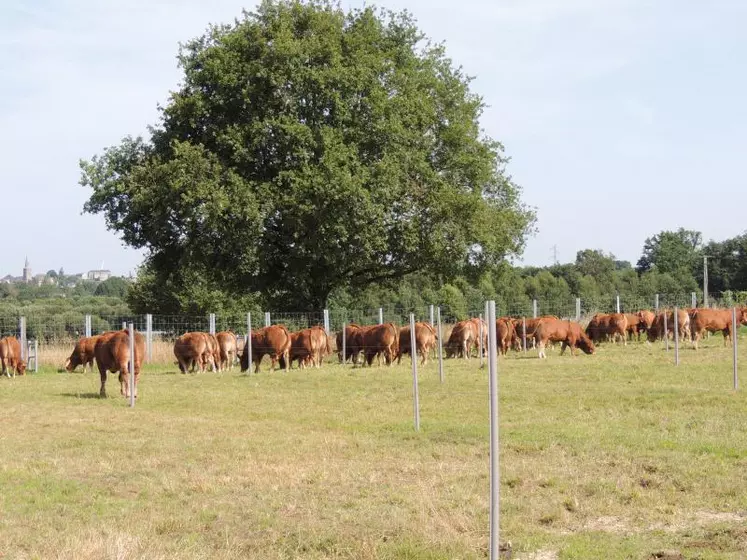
point(616, 455)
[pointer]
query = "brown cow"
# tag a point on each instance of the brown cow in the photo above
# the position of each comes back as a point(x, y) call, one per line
point(82, 354)
point(569, 333)
point(227, 349)
point(352, 343)
point(479, 326)
point(10, 356)
point(505, 335)
point(301, 349)
point(460, 340)
point(214, 350)
point(657, 330)
point(713, 320)
point(425, 340)
point(531, 323)
point(378, 340)
point(647, 319)
point(618, 328)
point(635, 326)
point(319, 345)
point(274, 341)
point(192, 350)
point(112, 351)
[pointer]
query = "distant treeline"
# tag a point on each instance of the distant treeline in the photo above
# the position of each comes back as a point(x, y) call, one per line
point(671, 265)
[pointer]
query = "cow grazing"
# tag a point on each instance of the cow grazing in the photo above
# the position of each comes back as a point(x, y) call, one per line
point(506, 336)
point(302, 349)
point(319, 345)
point(273, 341)
point(10, 356)
point(82, 354)
point(714, 320)
point(569, 333)
point(461, 340)
point(112, 352)
point(635, 326)
point(352, 343)
point(227, 349)
point(531, 325)
point(657, 331)
point(378, 340)
point(193, 349)
point(425, 340)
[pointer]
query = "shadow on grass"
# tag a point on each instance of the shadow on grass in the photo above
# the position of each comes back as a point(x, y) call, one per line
point(81, 395)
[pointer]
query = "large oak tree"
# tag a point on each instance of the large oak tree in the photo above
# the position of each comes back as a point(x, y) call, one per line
point(308, 149)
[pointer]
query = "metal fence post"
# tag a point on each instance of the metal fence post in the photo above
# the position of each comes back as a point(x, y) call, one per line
point(36, 355)
point(211, 323)
point(617, 303)
point(534, 308)
point(431, 311)
point(249, 340)
point(578, 309)
point(149, 337)
point(666, 331)
point(326, 321)
point(344, 357)
point(414, 354)
point(693, 300)
point(88, 326)
point(124, 325)
point(22, 336)
point(132, 366)
point(524, 333)
point(381, 316)
point(268, 319)
point(656, 303)
point(494, 435)
point(676, 337)
point(734, 333)
point(479, 341)
point(440, 347)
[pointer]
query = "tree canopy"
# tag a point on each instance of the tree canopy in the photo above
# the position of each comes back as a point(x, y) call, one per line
point(309, 149)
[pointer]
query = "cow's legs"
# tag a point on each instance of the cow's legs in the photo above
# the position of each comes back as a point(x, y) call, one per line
point(102, 374)
point(541, 350)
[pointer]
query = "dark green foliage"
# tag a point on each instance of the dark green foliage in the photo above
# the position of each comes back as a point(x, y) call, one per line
point(112, 287)
point(309, 150)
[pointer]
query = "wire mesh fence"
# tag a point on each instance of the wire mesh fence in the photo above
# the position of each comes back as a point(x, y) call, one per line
point(54, 332)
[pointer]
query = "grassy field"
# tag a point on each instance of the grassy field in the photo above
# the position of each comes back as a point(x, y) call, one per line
point(618, 455)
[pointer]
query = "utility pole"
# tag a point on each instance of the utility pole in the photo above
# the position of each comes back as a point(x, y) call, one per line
point(554, 254)
point(705, 281)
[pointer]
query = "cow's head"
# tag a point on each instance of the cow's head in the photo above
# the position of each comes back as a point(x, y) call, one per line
point(72, 362)
point(21, 368)
point(742, 315)
point(585, 344)
point(646, 318)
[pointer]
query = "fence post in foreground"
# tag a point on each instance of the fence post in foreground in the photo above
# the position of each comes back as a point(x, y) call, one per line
point(22, 336)
point(666, 332)
point(534, 308)
point(268, 319)
point(432, 317)
point(326, 321)
point(656, 303)
point(693, 300)
point(440, 347)
point(124, 325)
point(211, 327)
point(132, 366)
point(249, 340)
point(88, 326)
point(36, 355)
point(734, 333)
point(676, 337)
point(149, 337)
point(524, 333)
point(414, 354)
point(617, 303)
point(479, 341)
point(344, 355)
point(578, 309)
point(495, 480)
point(381, 315)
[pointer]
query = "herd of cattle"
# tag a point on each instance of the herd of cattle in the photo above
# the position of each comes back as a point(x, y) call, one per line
point(200, 351)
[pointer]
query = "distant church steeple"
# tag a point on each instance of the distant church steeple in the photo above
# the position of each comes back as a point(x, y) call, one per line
point(26, 271)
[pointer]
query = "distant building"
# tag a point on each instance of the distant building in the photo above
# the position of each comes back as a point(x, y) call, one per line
point(98, 275)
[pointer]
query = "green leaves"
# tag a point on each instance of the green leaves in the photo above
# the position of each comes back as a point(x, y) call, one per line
point(309, 149)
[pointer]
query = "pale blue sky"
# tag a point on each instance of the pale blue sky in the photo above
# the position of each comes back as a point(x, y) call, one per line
point(622, 117)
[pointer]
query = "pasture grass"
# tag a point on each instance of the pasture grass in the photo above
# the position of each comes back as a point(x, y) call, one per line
point(617, 455)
